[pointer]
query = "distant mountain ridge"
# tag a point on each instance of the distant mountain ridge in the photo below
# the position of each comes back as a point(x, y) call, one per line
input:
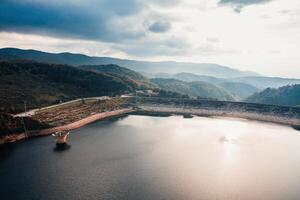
point(263, 82)
point(207, 69)
point(239, 90)
point(189, 77)
point(194, 89)
point(260, 82)
point(196, 80)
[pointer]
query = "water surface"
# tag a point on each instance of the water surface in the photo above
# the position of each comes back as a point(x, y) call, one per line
point(142, 157)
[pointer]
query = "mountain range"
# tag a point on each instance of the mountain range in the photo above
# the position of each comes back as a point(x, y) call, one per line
point(42, 78)
point(208, 69)
point(194, 89)
point(259, 82)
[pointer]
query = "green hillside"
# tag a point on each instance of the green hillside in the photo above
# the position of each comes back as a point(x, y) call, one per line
point(43, 84)
point(286, 96)
point(194, 89)
point(118, 71)
point(189, 77)
point(239, 90)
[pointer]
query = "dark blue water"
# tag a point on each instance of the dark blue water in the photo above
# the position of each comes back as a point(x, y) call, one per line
point(140, 157)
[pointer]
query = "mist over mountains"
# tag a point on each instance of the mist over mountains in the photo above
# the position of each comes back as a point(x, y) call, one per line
point(194, 89)
point(171, 67)
point(259, 82)
point(116, 76)
point(207, 72)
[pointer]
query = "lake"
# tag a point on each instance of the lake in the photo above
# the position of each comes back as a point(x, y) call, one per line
point(146, 157)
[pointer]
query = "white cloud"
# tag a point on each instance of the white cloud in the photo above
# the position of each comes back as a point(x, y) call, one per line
point(194, 30)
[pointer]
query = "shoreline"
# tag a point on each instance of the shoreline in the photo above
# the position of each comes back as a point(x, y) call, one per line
point(68, 127)
point(153, 111)
point(165, 111)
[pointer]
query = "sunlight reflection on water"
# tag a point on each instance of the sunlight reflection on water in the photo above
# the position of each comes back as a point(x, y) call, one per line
point(142, 157)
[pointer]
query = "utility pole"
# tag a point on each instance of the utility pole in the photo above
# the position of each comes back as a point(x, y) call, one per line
point(23, 121)
point(136, 99)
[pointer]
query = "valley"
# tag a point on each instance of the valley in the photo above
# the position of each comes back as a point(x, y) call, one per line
point(62, 95)
point(149, 99)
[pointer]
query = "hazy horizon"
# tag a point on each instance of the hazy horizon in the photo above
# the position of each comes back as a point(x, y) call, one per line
point(262, 36)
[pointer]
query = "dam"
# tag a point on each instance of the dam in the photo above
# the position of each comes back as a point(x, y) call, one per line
point(77, 113)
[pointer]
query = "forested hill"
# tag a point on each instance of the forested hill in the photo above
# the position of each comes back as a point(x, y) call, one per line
point(118, 71)
point(239, 90)
point(194, 89)
point(43, 84)
point(286, 96)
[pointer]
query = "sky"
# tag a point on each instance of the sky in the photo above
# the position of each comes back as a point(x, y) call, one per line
point(256, 35)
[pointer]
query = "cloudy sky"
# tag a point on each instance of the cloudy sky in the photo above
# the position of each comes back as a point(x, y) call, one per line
point(257, 35)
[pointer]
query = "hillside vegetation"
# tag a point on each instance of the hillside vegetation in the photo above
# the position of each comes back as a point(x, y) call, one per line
point(239, 90)
point(286, 96)
point(43, 84)
point(194, 89)
point(118, 71)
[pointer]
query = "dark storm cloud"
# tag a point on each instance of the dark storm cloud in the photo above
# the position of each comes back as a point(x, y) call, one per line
point(160, 27)
point(85, 19)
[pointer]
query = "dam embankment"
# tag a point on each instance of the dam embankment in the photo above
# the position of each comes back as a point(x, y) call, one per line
point(68, 127)
point(75, 115)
